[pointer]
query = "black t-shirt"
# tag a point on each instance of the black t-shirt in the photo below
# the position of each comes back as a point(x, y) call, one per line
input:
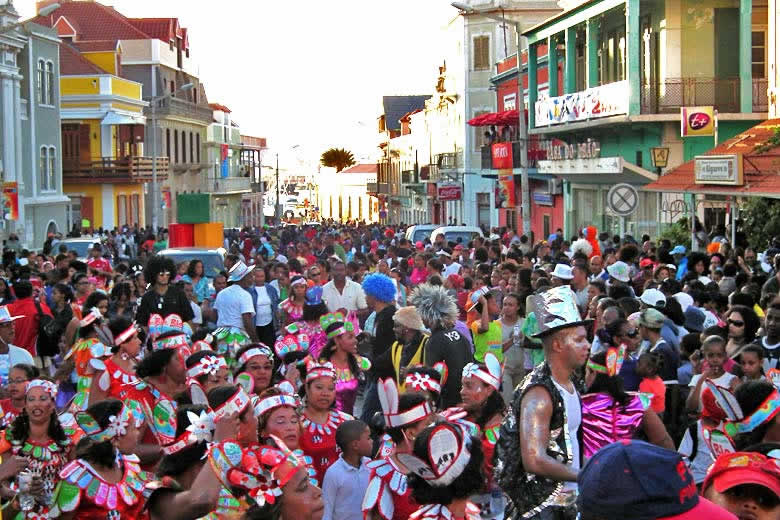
point(174, 301)
point(771, 354)
point(450, 346)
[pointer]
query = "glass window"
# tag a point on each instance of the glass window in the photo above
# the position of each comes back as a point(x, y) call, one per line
point(39, 82)
point(197, 147)
point(43, 165)
point(758, 54)
point(176, 146)
point(49, 83)
point(50, 185)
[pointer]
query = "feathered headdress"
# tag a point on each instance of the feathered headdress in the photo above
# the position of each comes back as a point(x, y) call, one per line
point(582, 246)
point(434, 304)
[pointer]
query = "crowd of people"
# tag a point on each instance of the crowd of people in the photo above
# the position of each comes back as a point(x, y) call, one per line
point(345, 372)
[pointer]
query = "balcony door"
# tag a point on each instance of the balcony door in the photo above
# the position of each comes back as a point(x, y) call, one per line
point(726, 82)
point(128, 140)
point(75, 146)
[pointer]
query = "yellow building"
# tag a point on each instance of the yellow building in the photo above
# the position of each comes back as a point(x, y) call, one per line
point(104, 168)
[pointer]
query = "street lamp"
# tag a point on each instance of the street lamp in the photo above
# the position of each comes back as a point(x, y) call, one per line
point(660, 157)
point(523, 128)
point(45, 11)
point(155, 200)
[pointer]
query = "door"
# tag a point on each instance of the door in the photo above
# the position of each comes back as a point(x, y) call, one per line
point(726, 60)
point(649, 68)
point(70, 148)
point(85, 154)
point(87, 212)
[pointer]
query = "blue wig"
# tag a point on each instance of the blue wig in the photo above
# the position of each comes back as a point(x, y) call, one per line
point(379, 286)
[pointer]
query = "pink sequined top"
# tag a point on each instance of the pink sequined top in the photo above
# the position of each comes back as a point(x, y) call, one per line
point(346, 390)
point(604, 421)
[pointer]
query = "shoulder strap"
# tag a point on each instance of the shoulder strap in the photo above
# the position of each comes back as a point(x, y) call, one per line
point(38, 306)
point(693, 429)
point(395, 356)
point(422, 348)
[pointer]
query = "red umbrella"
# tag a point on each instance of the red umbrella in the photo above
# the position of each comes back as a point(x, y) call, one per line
point(477, 121)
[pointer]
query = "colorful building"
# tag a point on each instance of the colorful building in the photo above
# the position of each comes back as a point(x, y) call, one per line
point(105, 168)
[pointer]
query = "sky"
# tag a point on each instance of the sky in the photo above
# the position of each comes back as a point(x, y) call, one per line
point(307, 72)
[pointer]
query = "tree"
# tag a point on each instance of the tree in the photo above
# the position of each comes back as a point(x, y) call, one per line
point(338, 158)
point(760, 220)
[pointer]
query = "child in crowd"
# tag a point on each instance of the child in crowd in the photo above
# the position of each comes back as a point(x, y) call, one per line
point(713, 352)
point(647, 368)
point(746, 484)
point(346, 479)
point(752, 361)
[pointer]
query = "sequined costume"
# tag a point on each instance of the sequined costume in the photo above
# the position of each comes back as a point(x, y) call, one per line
point(114, 377)
point(347, 386)
point(318, 441)
point(158, 408)
point(83, 491)
point(317, 337)
point(604, 421)
point(292, 310)
point(388, 494)
point(440, 512)
point(9, 413)
point(88, 355)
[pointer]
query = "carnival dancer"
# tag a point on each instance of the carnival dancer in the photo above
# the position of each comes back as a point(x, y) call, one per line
point(206, 370)
point(37, 435)
point(314, 308)
point(541, 472)
point(88, 354)
point(609, 413)
point(388, 496)
point(446, 469)
point(409, 347)
point(426, 381)
point(257, 360)
point(18, 377)
point(341, 350)
point(291, 309)
point(320, 420)
point(102, 483)
point(188, 486)
point(485, 407)
point(120, 367)
point(163, 298)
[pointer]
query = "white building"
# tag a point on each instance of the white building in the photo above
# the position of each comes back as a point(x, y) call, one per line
point(343, 195)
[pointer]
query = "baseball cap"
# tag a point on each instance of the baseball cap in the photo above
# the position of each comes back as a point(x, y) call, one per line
point(645, 262)
point(640, 481)
point(678, 250)
point(651, 318)
point(653, 298)
point(734, 469)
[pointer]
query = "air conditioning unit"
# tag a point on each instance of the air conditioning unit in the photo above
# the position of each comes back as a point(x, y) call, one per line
point(555, 186)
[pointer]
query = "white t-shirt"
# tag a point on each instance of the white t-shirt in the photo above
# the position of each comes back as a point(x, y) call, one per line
point(453, 268)
point(723, 381)
point(702, 459)
point(231, 304)
point(197, 315)
point(351, 298)
point(571, 402)
point(263, 312)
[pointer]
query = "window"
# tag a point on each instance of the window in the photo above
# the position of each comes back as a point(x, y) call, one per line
point(49, 94)
point(184, 147)
point(481, 52)
point(176, 147)
point(135, 210)
point(121, 204)
point(197, 148)
point(480, 139)
point(194, 94)
point(758, 54)
point(173, 87)
point(47, 167)
point(168, 143)
point(40, 81)
point(192, 143)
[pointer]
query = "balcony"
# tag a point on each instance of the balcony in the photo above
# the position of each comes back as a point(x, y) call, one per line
point(410, 177)
point(229, 185)
point(172, 106)
point(372, 187)
point(535, 153)
point(429, 173)
point(723, 93)
point(189, 167)
point(109, 169)
point(448, 161)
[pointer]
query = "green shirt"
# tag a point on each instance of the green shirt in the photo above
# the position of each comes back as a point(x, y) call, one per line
point(489, 341)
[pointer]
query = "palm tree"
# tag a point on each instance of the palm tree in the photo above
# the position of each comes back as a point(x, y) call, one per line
point(338, 158)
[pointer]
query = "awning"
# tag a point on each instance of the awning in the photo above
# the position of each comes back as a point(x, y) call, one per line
point(506, 118)
point(601, 170)
point(114, 118)
point(759, 167)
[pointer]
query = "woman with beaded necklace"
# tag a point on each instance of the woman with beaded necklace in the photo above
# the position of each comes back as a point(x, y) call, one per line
point(341, 351)
point(291, 309)
point(37, 435)
point(120, 367)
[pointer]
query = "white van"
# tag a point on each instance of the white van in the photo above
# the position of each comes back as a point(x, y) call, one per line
point(457, 234)
point(419, 232)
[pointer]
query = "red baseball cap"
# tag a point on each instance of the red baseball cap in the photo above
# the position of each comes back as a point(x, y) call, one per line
point(645, 262)
point(456, 280)
point(419, 245)
point(735, 469)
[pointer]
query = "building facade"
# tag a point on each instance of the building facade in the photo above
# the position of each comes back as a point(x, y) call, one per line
point(30, 148)
point(345, 196)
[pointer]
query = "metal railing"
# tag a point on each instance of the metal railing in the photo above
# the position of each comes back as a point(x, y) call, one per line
point(430, 173)
point(127, 169)
point(409, 177)
point(229, 184)
point(181, 107)
point(448, 161)
point(723, 93)
point(535, 153)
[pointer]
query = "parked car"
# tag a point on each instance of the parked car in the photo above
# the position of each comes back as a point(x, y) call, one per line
point(462, 234)
point(419, 232)
point(213, 259)
point(81, 246)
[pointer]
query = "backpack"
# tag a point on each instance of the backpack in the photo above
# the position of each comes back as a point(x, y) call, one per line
point(48, 334)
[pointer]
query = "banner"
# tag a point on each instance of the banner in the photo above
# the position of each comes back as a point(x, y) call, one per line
point(502, 155)
point(225, 169)
point(449, 191)
point(224, 148)
point(606, 100)
point(166, 200)
point(505, 194)
point(697, 121)
point(10, 201)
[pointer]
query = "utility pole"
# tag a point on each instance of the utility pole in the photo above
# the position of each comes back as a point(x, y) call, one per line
point(277, 213)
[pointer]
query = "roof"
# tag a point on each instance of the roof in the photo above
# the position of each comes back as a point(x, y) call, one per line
point(398, 106)
point(72, 63)
point(761, 174)
point(165, 29)
point(217, 106)
point(361, 168)
point(93, 21)
point(408, 115)
point(97, 45)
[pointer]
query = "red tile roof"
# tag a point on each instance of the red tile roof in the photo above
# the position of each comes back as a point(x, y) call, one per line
point(73, 63)
point(93, 21)
point(361, 168)
point(165, 29)
point(96, 45)
point(761, 170)
point(217, 106)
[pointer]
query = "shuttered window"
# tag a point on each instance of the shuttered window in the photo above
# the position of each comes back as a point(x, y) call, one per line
point(481, 52)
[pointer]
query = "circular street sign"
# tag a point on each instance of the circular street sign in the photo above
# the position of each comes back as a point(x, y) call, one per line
point(623, 199)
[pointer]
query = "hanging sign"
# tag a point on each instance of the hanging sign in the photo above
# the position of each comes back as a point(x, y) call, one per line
point(505, 189)
point(10, 201)
point(502, 155)
point(697, 121)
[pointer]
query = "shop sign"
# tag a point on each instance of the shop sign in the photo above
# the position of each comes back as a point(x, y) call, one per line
point(603, 101)
point(557, 150)
point(502, 155)
point(718, 169)
point(543, 199)
point(10, 201)
point(449, 191)
point(602, 165)
point(697, 121)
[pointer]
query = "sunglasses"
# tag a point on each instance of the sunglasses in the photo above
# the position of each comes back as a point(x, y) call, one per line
point(164, 273)
point(314, 274)
point(632, 334)
point(737, 323)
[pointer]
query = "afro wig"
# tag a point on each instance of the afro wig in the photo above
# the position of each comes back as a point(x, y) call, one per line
point(156, 265)
point(379, 286)
point(435, 305)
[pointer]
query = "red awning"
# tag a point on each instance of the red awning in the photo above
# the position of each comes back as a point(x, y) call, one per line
point(506, 118)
